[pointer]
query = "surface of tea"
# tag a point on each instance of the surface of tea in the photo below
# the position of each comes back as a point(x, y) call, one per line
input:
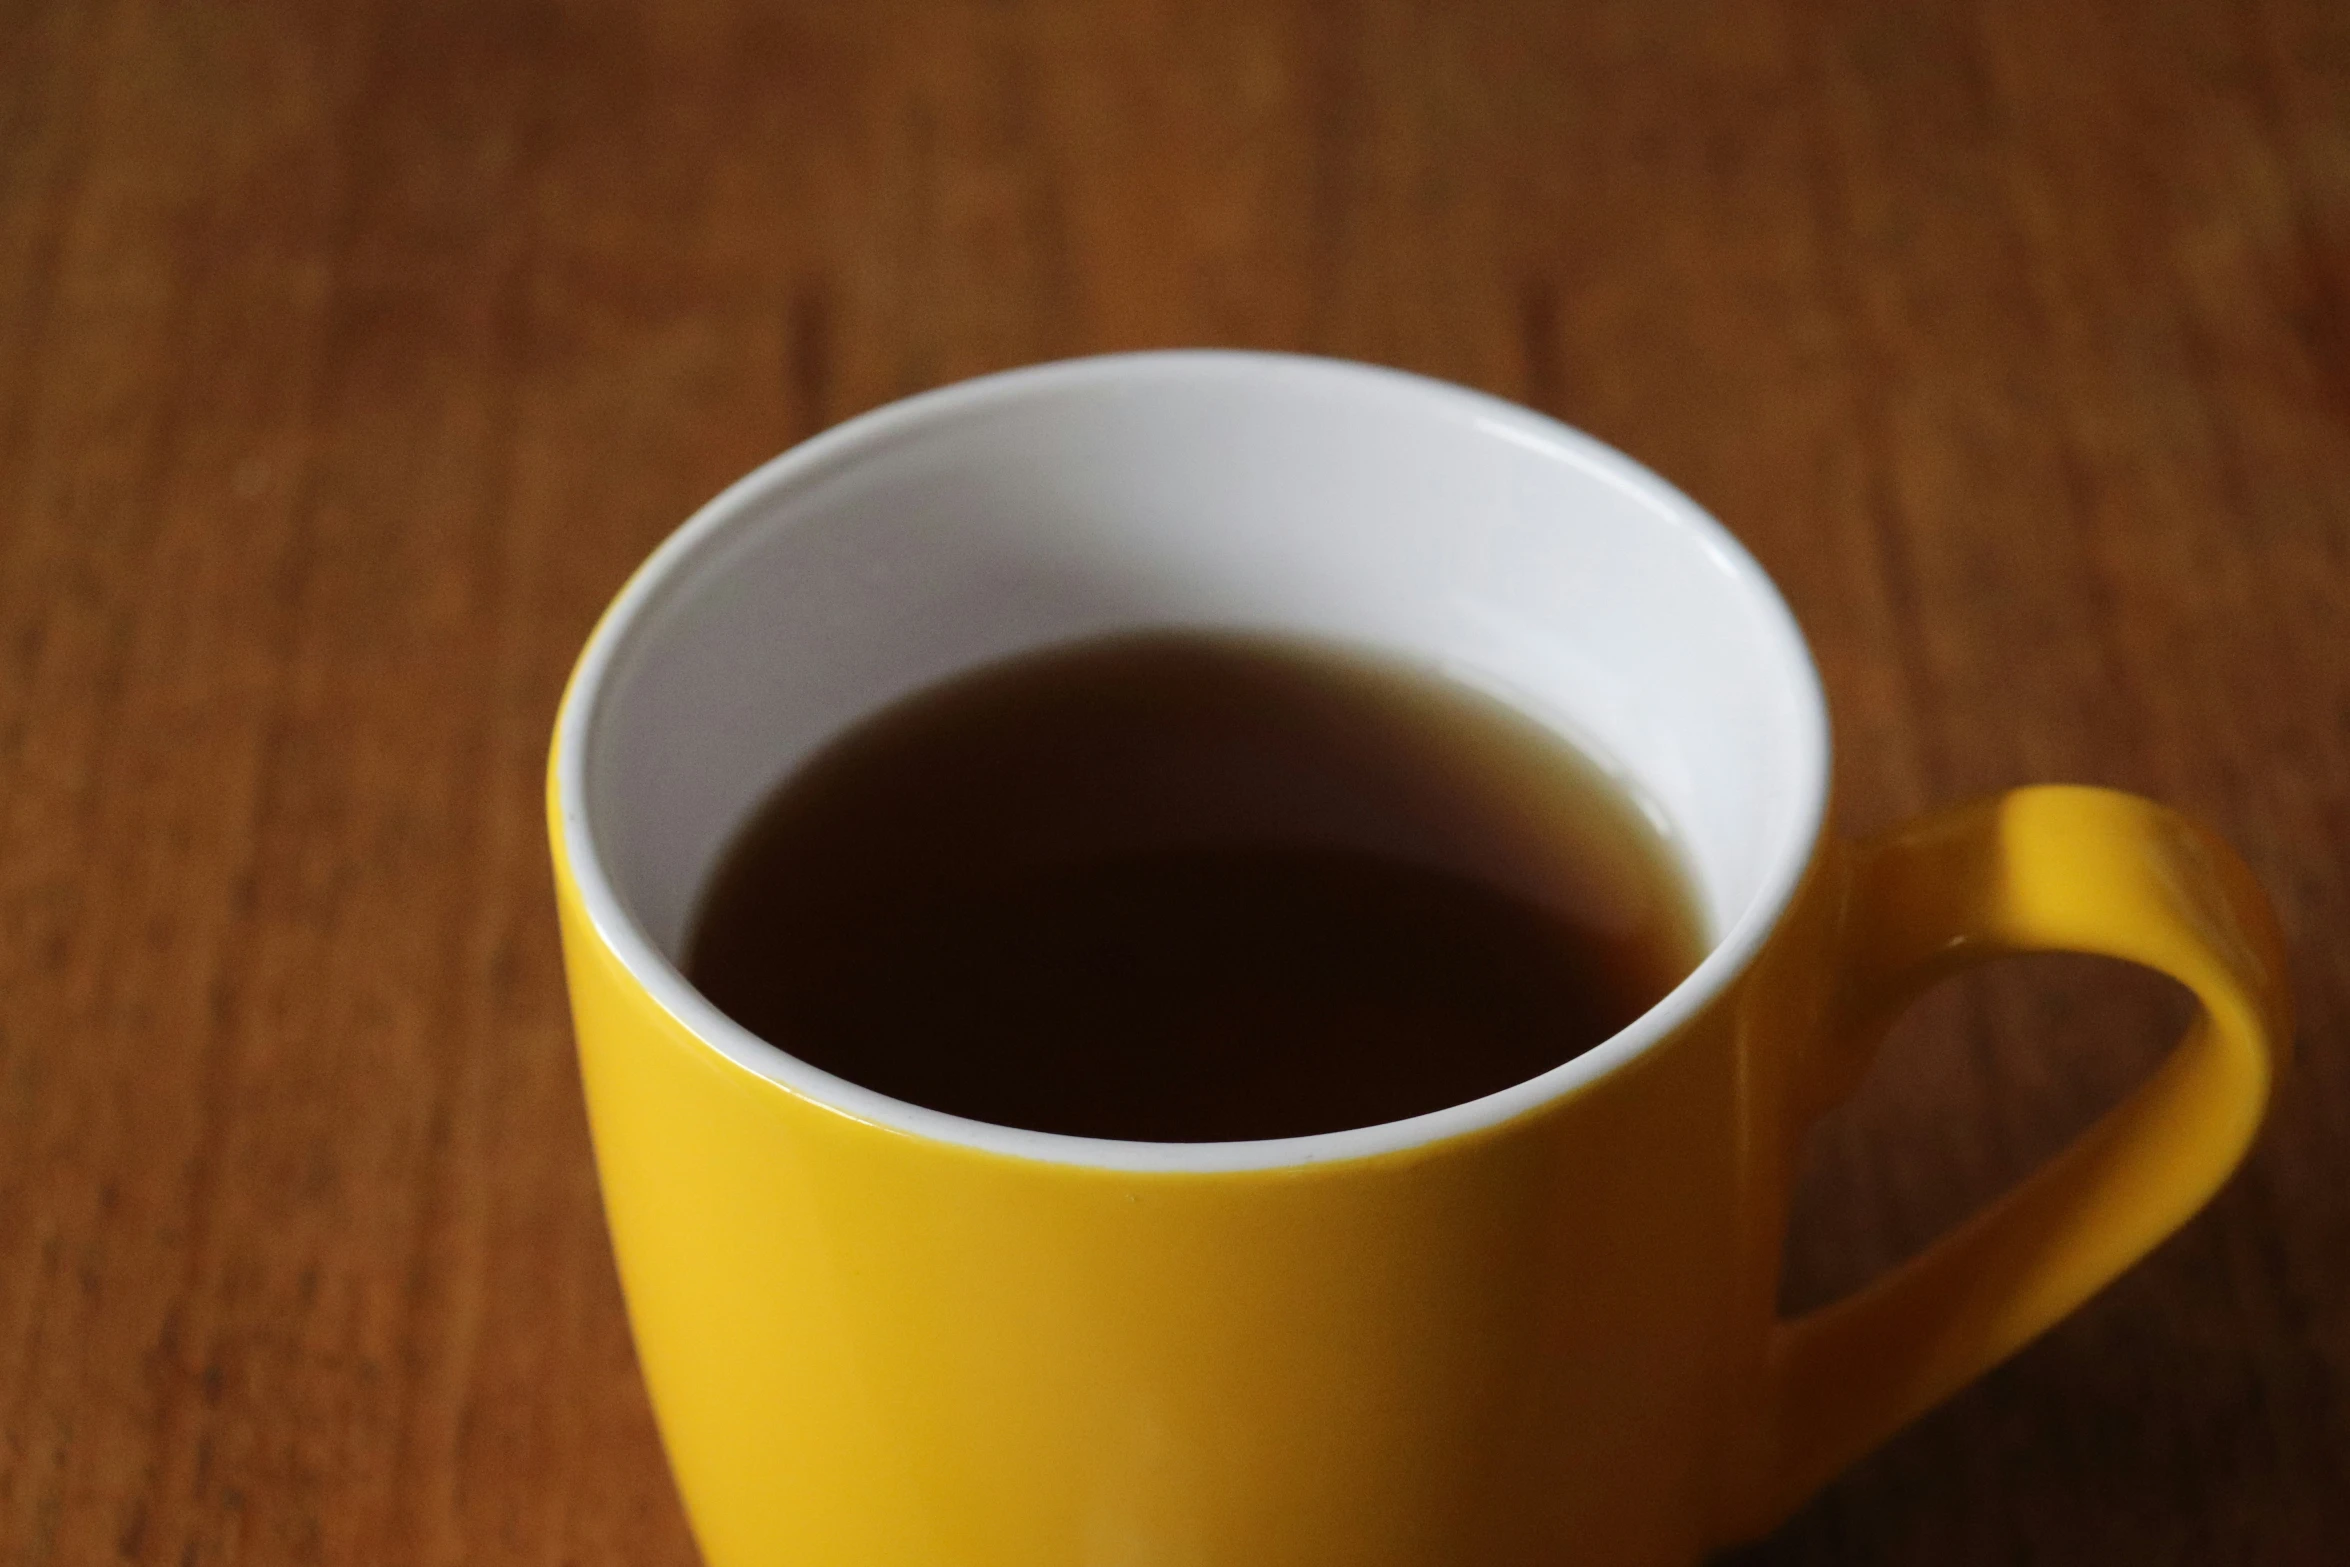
point(1184, 887)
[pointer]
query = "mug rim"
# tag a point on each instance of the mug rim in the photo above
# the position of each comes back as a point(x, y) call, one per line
point(870, 433)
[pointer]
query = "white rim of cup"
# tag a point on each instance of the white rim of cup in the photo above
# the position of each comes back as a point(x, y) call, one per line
point(846, 443)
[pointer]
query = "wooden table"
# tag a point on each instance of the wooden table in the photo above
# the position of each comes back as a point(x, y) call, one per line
point(351, 353)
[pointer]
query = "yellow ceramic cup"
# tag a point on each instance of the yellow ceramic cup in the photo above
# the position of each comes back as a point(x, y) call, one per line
point(1534, 1328)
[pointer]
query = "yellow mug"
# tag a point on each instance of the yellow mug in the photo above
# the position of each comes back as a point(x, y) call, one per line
point(1538, 1327)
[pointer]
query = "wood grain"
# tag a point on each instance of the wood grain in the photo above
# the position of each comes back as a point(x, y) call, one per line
point(351, 353)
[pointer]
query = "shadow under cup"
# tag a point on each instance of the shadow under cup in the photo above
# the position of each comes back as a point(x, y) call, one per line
point(1237, 492)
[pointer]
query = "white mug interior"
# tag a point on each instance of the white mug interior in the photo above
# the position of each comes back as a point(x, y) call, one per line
point(1250, 492)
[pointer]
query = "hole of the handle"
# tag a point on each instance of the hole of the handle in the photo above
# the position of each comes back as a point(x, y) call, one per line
point(1982, 1079)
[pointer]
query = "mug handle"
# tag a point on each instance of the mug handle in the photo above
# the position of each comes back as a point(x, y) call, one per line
point(2044, 869)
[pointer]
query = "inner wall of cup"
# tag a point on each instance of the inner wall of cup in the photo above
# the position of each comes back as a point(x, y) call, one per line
point(1439, 528)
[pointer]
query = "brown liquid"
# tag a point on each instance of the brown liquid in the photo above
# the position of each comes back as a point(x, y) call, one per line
point(1191, 888)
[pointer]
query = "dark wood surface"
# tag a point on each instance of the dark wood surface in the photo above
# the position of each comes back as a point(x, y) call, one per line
point(351, 353)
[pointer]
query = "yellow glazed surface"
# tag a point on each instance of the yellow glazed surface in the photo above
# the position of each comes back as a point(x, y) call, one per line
point(1549, 1340)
